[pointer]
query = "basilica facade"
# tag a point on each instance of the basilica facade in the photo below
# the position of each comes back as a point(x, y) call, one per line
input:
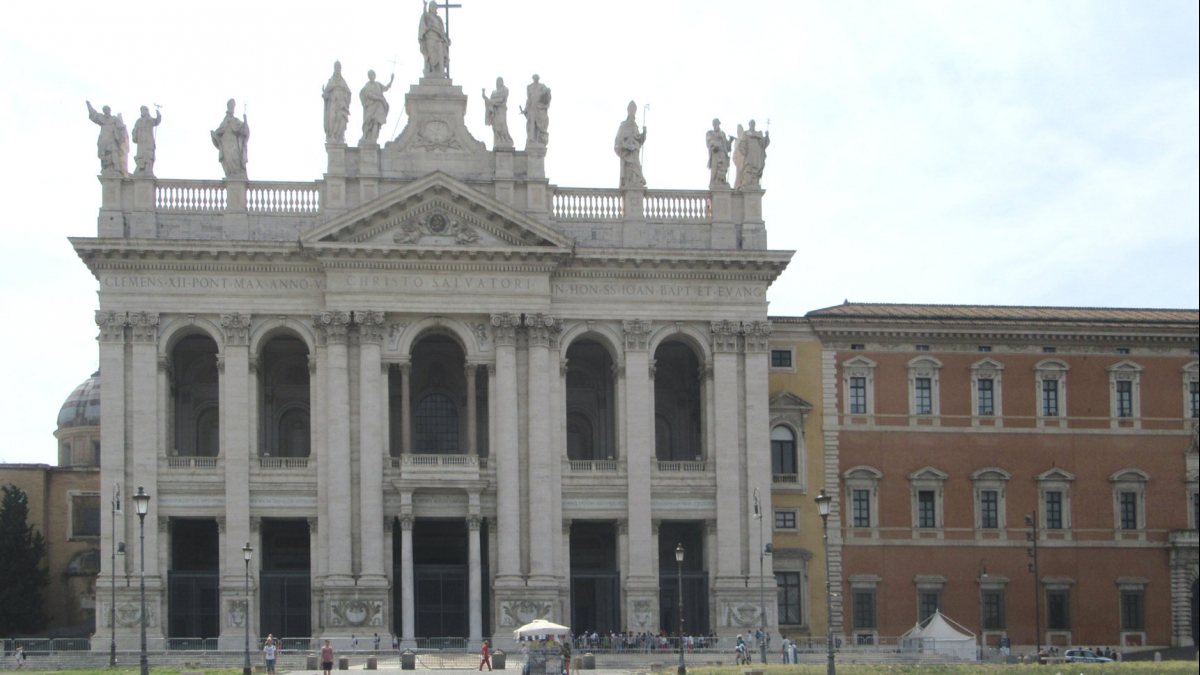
point(432, 394)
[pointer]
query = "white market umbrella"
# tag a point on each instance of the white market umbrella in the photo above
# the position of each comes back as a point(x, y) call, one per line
point(541, 627)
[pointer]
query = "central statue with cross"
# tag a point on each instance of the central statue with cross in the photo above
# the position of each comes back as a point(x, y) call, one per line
point(433, 35)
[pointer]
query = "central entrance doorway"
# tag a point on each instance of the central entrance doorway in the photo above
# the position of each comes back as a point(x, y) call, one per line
point(286, 596)
point(440, 578)
point(595, 578)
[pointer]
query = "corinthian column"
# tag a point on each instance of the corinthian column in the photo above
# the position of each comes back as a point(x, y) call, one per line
point(235, 447)
point(543, 333)
point(337, 404)
point(508, 473)
point(144, 417)
point(731, 500)
point(370, 445)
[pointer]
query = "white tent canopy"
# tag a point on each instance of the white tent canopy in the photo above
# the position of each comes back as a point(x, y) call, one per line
point(539, 627)
point(940, 635)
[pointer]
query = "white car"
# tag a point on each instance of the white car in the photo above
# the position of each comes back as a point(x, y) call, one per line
point(1085, 656)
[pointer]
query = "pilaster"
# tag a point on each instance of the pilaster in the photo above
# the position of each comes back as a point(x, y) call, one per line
point(732, 500)
point(508, 476)
point(235, 447)
point(334, 325)
point(542, 333)
point(641, 579)
point(371, 419)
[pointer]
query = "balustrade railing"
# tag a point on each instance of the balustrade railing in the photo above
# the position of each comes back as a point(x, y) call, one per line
point(785, 478)
point(678, 206)
point(190, 196)
point(283, 462)
point(586, 204)
point(413, 459)
point(191, 462)
point(592, 465)
point(682, 467)
point(283, 198)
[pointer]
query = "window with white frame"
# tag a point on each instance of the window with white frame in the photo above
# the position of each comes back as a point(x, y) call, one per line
point(1124, 381)
point(993, 608)
point(781, 357)
point(858, 386)
point(1132, 595)
point(785, 519)
point(1191, 390)
point(985, 388)
point(864, 617)
point(1058, 607)
point(927, 492)
point(929, 594)
point(862, 486)
point(923, 389)
point(1129, 499)
point(790, 596)
point(990, 498)
point(789, 413)
point(1051, 379)
point(1054, 495)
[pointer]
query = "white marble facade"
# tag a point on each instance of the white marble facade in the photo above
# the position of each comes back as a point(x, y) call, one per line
point(218, 300)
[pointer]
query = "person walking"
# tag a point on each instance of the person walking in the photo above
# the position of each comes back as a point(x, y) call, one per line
point(269, 655)
point(19, 657)
point(327, 657)
point(485, 656)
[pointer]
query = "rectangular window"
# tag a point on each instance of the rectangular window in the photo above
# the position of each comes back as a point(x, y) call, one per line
point(1129, 514)
point(1133, 610)
point(858, 346)
point(922, 348)
point(860, 503)
point(1124, 398)
point(987, 400)
point(992, 606)
point(781, 358)
point(989, 509)
point(1194, 397)
point(864, 609)
point(924, 394)
point(1049, 398)
point(985, 348)
point(926, 511)
point(1054, 510)
point(785, 519)
point(1058, 610)
point(85, 516)
point(928, 603)
point(1049, 350)
point(788, 585)
point(858, 396)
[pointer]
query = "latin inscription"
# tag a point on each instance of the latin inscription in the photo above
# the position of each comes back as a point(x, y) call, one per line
point(652, 290)
point(209, 283)
point(367, 282)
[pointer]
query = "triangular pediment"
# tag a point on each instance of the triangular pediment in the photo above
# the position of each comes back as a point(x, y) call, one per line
point(786, 401)
point(436, 211)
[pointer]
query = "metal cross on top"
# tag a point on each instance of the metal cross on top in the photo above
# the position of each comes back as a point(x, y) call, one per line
point(447, 6)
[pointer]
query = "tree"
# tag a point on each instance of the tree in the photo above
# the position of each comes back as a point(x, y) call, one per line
point(22, 569)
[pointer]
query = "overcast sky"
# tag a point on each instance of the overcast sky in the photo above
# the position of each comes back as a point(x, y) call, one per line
point(1014, 152)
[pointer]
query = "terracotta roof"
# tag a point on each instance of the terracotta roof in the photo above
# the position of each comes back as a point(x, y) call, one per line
point(913, 312)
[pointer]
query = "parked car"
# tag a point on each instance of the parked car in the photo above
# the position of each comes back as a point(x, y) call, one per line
point(1084, 656)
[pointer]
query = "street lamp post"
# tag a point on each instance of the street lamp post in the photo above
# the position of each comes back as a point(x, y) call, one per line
point(763, 549)
point(112, 607)
point(679, 580)
point(141, 502)
point(247, 552)
point(823, 503)
point(1032, 552)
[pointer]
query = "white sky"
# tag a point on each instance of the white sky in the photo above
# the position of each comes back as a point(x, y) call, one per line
point(1013, 152)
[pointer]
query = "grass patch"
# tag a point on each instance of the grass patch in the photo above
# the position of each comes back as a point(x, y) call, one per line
point(1140, 668)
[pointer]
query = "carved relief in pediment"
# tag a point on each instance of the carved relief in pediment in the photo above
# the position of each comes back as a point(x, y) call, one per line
point(436, 227)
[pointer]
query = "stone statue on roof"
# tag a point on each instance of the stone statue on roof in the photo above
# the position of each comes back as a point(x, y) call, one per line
point(750, 157)
point(628, 146)
point(495, 114)
point(375, 108)
point(719, 145)
point(537, 114)
point(232, 139)
point(112, 145)
point(143, 138)
point(336, 94)
point(434, 42)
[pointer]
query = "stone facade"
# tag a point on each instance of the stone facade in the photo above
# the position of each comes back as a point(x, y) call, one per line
point(432, 348)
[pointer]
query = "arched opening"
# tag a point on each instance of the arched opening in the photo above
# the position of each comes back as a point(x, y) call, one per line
point(783, 454)
point(591, 422)
point(439, 396)
point(196, 397)
point(677, 404)
point(284, 409)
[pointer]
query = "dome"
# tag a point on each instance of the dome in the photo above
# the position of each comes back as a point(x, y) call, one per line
point(82, 407)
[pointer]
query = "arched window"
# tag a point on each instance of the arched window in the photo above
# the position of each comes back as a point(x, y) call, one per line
point(677, 403)
point(590, 402)
point(195, 397)
point(208, 432)
point(284, 404)
point(293, 433)
point(436, 425)
point(783, 452)
point(579, 437)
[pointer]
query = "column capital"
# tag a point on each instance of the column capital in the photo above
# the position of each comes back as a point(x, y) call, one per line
point(491, 368)
point(370, 325)
point(474, 523)
point(237, 328)
point(756, 335)
point(332, 326)
point(406, 522)
point(543, 329)
point(504, 328)
point(112, 325)
point(144, 326)
point(637, 334)
point(725, 335)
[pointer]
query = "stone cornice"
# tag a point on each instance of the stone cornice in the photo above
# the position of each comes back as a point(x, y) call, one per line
point(1087, 334)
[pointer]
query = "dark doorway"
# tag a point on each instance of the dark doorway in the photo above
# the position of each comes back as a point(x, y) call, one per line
point(440, 578)
point(695, 578)
point(285, 599)
point(193, 588)
point(595, 578)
